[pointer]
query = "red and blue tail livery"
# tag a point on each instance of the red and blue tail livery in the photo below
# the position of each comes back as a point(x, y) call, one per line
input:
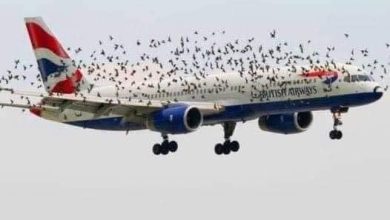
point(58, 72)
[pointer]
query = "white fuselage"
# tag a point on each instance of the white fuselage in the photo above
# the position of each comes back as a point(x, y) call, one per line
point(245, 97)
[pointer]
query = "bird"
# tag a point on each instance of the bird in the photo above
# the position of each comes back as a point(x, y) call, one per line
point(273, 34)
point(301, 48)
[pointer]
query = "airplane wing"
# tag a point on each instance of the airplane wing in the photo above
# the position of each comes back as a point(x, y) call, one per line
point(103, 105)
point(119, 106)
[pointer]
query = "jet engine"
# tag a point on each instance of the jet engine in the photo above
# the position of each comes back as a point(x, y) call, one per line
point(175, 119)
point(286, 123)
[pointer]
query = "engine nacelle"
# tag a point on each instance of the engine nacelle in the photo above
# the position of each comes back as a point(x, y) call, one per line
point(175, 119)
point(286, 123)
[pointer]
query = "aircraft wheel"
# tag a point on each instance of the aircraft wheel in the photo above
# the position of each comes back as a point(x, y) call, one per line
point(218, 149)
point(332, 135)
point(339, 135)
point(165, 148)
point(336, 135)
point(234, 146)
point(157, 149)
point(173, 146)
point(226, 148)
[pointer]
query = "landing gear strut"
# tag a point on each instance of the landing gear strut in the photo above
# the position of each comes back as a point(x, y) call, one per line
point(165, 147)
point(228, 146)
point(336, 134)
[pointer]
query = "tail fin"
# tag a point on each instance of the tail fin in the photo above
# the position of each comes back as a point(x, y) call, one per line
point(59, 74)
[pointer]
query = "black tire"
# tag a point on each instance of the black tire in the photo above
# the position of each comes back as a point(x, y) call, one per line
point(218, 149)
point(173, 146)
point(332, 135)
point(234, 146)
point(157, 149)
point(165, 143)
point(226, 148)
point(339, 135)
point(165, 148)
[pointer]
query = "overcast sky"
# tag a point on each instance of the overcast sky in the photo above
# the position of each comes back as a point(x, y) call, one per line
point(54, 171)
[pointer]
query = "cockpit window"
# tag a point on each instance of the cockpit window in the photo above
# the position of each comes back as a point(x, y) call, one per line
point(358, 78)
point(364, 78)
point(354, 78)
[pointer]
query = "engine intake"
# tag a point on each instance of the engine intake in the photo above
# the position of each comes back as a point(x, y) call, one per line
point(175, 119)
point(286, 123)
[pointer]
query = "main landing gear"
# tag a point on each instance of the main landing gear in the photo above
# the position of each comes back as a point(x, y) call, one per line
point(228, 146)
point(165, 147)
point(336, 134)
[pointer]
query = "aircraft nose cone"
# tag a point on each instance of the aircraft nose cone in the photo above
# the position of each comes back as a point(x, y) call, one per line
point(378, 92)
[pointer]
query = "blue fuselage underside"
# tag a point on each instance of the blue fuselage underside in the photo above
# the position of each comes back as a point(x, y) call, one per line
point(245, 112)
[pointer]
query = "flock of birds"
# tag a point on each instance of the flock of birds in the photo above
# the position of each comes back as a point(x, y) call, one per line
point(196, 55)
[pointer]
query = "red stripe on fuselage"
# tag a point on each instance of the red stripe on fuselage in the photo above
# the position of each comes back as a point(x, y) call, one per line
point(41, 39)
point(319, 73)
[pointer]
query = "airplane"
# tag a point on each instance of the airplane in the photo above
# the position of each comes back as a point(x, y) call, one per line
point(282, 103)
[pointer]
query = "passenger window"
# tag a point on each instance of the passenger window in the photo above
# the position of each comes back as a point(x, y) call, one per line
point(347, 79)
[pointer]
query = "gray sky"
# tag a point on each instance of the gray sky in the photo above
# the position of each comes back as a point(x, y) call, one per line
point(53, 171)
